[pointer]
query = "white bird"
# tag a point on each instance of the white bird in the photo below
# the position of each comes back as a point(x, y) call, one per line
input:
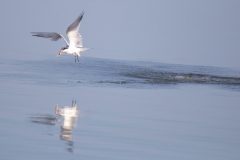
point(74, 46)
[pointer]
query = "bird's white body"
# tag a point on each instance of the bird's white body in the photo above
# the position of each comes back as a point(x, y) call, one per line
point(74, 46)
point(72, 51)
point(76, 51)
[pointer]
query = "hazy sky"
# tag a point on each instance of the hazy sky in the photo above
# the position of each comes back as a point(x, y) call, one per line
point(198, 32)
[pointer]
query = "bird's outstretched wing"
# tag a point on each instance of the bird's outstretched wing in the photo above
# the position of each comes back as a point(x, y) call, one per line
point(51, 35)
point(75, 38)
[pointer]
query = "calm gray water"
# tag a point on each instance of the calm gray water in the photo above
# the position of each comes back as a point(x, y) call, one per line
point(127, 110)
point(103, 72)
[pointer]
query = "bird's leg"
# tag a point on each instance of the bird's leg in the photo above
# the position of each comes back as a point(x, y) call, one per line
point(75, 59)
point(78, 58)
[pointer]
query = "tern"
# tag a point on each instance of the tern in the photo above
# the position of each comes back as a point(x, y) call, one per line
point(74, 46)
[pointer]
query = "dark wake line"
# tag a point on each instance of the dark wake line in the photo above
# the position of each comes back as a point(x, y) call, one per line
point(159, 77)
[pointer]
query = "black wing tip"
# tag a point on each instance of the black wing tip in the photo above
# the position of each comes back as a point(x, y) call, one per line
point(34, 34)
point(81, 15)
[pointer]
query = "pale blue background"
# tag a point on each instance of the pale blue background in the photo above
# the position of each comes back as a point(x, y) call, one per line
point(198, 32)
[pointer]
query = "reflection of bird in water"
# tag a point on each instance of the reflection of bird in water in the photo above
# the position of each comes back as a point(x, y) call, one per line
point(44, 119)
point(69, 115)
point(67, 111)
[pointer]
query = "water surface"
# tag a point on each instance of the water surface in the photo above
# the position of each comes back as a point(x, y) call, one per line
point(127, 110)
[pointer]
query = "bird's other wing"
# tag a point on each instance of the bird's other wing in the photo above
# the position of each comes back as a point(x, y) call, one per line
point(51, 35)
point(75, 38)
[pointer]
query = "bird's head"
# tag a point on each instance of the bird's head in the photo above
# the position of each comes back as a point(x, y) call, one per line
point(62, 50)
